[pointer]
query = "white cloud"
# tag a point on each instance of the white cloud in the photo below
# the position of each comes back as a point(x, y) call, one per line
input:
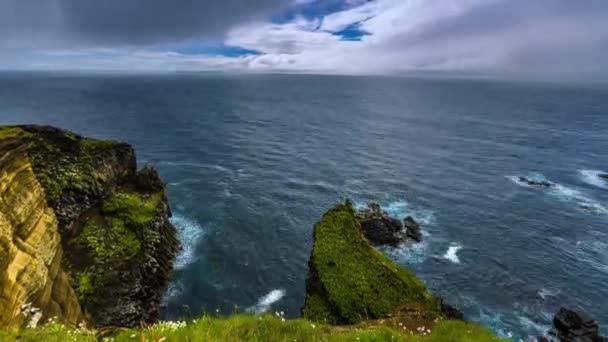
point(508, 37)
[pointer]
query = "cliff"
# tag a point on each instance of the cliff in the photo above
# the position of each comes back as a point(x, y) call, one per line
point(350, 282)
point(78, 222)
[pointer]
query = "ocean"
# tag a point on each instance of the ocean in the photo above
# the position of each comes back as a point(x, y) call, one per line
point(252, 161)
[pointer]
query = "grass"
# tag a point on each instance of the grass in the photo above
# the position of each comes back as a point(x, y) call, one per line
point(354, 281)
point(257, 329)
point(9, 132)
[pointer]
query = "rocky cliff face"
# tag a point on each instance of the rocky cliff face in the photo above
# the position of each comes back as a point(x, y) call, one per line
point(83, 235)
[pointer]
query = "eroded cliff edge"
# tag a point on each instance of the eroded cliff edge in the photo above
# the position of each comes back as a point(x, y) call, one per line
point(84, 236)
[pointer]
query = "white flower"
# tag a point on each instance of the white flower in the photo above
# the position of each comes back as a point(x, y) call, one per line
point(313, 326)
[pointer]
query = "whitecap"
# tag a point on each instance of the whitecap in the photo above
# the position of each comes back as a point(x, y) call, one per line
point(189, 233)
point(592, 177)
point(544, 293)
point(452, 253)
point(266, 301)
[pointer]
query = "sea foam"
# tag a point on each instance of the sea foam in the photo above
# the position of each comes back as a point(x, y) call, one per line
point(266, 301)
point(592, 177)
point(452, 253)
point(189, 233)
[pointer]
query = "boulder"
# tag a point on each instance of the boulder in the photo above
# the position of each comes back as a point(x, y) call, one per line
point(412, 229)
point(604, 175)
point(381, 229)
point(576, 326)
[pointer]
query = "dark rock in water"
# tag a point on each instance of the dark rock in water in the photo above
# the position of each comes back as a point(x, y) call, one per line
point(379, 228)
point(604, 175)
point(576, 326)
point(536, 183)
point(451, 312)
point(412, 229)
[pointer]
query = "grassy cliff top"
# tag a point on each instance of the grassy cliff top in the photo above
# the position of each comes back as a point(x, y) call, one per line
point(262, 328)
point(350, 281)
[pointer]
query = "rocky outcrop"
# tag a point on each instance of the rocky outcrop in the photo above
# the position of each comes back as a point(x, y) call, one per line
point(604, 176)
point(83, 235)
point(349, 281)
point(381, 229)
point(536, 183)
point(576, 326)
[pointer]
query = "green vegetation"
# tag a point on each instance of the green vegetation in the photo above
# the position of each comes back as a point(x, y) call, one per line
point(263, 328)
point(355, 282)
point(62, 159)
point(111, 238)
point(133, 210)
point(9, 132)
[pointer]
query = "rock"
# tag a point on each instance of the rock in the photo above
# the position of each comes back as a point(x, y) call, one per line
point(536, 183)
point(450, 311)
point(604, 175)
point(412, 229)
point(576, 326)
point(381, 229)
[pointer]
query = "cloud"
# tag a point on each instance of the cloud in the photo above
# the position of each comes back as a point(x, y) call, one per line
point(36, 23)
point(511, 38)
point(545, 38)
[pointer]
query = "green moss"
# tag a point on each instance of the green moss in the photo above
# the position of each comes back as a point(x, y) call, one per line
point(356, 282)
point(110, 238)
point(255, 329)
point(85, 285)
point(63, 160)
point(133, 209)
point(113, 244)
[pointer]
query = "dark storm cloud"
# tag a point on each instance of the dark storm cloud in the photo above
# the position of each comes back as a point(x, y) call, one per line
point(123, 22)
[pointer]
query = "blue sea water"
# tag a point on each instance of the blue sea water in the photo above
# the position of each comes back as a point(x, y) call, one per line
point(253, 161)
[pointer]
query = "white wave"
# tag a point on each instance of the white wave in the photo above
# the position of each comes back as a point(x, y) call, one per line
point(265, 302)
point(592, 177)
point(189, 233)
point(544, 293)
point(595, 253)
point(452, 253)
point(566, 194)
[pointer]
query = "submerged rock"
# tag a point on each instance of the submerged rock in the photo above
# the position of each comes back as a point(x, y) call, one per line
point(412, 229)
point(576, 326)
point(349, 281)
point(536, 183)
point(381, 229)
point(604, 176)
point(88, 234)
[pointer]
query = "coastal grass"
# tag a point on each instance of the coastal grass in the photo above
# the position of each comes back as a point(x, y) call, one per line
point(256, 328)
point(353, 281)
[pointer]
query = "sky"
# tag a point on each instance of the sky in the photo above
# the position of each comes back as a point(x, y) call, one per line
point(512, 38)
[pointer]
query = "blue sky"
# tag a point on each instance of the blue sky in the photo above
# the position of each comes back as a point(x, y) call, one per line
point(514, 38)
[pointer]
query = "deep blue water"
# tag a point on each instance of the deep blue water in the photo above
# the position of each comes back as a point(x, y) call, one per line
point(252, 162)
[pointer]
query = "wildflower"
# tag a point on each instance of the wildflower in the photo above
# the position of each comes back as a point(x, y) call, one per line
point(283, 320)
point(312, 326)
point(133, 336)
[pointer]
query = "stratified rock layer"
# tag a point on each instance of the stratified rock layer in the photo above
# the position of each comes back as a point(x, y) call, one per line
point(83, 236)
